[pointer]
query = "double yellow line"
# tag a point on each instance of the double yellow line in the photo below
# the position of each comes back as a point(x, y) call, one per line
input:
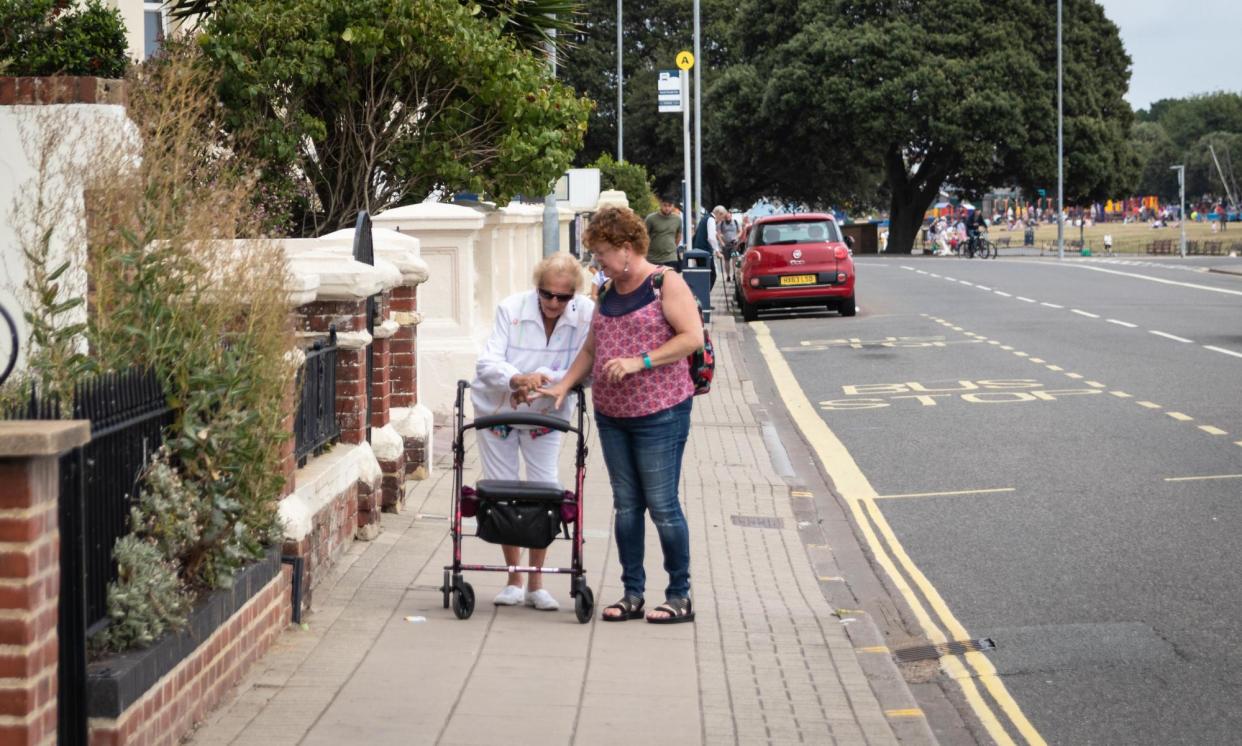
point(970, 669)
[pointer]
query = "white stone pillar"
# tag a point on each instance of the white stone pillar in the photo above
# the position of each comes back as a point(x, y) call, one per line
point(449, 333)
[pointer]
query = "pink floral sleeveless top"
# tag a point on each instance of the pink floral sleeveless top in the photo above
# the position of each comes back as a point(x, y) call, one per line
point(630, 334)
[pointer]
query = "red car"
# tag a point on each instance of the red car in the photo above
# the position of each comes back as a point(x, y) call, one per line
point(795, 260)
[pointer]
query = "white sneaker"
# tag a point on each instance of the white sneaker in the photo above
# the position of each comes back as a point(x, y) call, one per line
point(510, 596)
point(542, 600)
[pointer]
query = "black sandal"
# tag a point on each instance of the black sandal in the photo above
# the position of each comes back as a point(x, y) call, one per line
point(678, 610)
point(631, 607)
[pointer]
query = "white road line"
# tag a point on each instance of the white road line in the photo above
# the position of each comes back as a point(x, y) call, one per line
point(1075, 376)
point(1179, 416)
point(950, 279)
point(1026, 300)
point(968, 284)
point(909, 268)
point(1195, 479)
point(983, 287)
point(1088, 314)
point(1094, 384)
point(1210, 430)
point(1173, 337)
point(1223, 350)
point(1051, 305)
point(1126, 324)
point(1055, 367)
point(1120, 394)
point(1001, 293)
point(1149, 404)
point(933, 274)
point(921, 272)
point(1161, 280)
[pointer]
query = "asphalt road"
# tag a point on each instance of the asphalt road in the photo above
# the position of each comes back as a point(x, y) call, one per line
point(1056, 448)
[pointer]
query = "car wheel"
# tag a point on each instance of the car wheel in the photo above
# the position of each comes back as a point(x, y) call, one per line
point(749, 312)
point(847, 307)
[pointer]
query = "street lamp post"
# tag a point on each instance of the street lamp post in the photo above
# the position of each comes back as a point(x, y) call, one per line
point(1181, 185)
point(698, 114)
point(1060, 145)
point(620, 90)
point(551, 217)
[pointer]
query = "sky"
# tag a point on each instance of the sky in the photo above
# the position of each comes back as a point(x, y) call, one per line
point(1178, 48)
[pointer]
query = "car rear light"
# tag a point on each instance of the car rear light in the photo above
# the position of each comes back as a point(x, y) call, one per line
point(841, 277)
point(754, 282)
point(841, 252)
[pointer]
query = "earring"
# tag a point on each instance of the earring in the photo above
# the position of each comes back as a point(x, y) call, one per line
point(627, 266)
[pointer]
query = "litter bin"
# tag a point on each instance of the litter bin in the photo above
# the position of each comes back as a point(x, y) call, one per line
point(697, 272)
point(1028, 239)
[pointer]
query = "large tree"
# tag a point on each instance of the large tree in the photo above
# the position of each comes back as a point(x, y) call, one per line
point(365, 104)
point(922, 94)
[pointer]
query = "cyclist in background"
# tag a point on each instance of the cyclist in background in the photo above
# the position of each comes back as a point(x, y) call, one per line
point(974, 226)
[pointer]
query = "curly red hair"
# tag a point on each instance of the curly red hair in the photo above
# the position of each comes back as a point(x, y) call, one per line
point(615, 226)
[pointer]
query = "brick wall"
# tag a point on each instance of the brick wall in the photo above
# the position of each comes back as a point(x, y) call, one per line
point(332, 530)
point(61, 89)
point(187, 693)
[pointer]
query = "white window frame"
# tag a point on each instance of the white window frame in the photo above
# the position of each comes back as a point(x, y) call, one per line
point(154, 6)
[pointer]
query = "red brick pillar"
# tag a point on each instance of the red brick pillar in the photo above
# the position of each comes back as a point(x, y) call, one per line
point(402, 347)
point(30, 569)
point(351, 366)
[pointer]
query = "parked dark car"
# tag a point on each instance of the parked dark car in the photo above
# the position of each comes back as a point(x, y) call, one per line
point(796, 260)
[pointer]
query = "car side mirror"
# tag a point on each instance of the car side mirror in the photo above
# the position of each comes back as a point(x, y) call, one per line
point(849, 241)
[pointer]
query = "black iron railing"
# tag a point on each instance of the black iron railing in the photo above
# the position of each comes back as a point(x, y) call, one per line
point(315, 425)
point(128, 416)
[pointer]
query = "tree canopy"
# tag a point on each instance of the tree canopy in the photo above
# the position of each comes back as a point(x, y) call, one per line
point(1179, 131)
point(836, 97)
point(365, 104)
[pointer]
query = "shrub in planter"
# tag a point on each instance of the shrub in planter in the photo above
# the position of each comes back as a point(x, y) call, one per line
point(44, 37)
point(627, 177)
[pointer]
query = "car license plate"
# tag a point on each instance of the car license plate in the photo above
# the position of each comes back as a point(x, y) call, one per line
point(798, 280)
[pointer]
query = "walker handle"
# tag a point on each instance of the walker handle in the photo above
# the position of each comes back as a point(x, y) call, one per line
point(533, 419)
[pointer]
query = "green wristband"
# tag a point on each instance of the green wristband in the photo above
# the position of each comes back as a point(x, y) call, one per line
point(647, 361)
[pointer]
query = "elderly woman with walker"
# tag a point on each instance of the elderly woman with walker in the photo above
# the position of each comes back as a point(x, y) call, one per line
point(537, 335)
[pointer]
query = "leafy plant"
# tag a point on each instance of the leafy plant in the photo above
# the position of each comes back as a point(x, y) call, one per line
point(43, 37)
point(146, 601)
point(366, 104)
point(630, 178)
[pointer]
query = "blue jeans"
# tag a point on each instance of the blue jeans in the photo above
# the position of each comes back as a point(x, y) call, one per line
point(643, 455)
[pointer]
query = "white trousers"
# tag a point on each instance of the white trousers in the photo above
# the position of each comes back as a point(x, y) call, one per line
point(500, 455)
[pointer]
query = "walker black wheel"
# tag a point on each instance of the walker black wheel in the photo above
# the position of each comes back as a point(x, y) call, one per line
point(463, 599)
point(446, 589)
point(584, 604)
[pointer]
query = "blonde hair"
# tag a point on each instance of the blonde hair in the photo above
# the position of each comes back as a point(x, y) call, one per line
point(560, 263)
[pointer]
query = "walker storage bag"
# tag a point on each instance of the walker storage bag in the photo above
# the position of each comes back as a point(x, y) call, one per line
point(523, 514)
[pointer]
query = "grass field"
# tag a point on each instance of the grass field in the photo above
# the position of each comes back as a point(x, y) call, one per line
point(1127, 239)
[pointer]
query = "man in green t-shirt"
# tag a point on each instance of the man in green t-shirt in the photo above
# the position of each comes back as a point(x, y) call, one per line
point(664, 230)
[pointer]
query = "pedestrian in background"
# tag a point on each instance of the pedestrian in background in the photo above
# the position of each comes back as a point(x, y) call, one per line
point(664, 232)
point(727, 232)
point(636, 354)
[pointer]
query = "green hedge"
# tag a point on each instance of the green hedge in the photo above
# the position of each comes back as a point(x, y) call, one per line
point(39, 38)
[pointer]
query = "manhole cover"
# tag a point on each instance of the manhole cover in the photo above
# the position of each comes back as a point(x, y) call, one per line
point(757, 521)
point(931, 652)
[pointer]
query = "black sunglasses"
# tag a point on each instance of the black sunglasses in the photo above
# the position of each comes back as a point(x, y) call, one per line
point(562, 297)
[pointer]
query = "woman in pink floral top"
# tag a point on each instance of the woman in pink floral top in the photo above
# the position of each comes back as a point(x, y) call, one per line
point(636, 353)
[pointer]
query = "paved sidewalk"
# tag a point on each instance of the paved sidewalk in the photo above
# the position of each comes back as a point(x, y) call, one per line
point(767, 661)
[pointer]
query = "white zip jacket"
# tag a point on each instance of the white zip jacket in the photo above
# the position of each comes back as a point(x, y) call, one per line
point(519, 345)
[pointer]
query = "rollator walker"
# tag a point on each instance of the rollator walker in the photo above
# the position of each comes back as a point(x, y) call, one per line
point(518, 513)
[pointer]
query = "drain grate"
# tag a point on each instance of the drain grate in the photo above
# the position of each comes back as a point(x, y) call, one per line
point(757, 521)
point(931, 652)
